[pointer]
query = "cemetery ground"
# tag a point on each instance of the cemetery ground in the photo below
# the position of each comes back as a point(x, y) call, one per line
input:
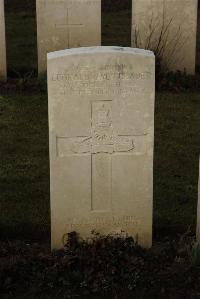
point(105, 267)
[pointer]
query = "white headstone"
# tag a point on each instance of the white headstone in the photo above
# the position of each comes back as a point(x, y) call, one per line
point(63, 24)
point(198, 210)
point(169, 26)
point(3, 71)
point(101, 128)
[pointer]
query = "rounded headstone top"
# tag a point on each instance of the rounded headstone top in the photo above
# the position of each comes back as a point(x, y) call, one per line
point(99, 49)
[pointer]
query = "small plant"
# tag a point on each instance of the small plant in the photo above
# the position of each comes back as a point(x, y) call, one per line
point(188, 249)
point(158, 38)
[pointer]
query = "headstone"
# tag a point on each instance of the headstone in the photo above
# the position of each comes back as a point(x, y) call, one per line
point(3, 71)
point(101, 127)
point(63, 24)
point(168, 27)
point(198, 210)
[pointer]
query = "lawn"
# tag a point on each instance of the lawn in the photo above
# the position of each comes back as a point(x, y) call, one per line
point(24, 165)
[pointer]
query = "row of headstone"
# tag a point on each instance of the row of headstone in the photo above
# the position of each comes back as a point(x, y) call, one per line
point(3, 69)
point(167, 27)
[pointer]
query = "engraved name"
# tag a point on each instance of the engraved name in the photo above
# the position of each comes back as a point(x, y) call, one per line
point(108, 80)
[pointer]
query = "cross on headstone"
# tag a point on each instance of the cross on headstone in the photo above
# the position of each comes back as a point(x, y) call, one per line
point(100, 145)
point(67, 25)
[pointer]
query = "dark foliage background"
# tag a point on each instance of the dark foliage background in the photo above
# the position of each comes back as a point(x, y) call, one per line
point(116, 5)
point(20, 5)
point(29, 5)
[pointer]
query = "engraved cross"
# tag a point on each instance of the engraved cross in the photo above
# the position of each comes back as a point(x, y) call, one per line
point(100, 145)
point(67, 25)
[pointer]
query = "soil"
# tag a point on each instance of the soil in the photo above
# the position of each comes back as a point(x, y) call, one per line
point(103, 268)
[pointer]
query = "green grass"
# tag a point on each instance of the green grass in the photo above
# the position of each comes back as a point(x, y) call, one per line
point(177, 147)
point(24, 168)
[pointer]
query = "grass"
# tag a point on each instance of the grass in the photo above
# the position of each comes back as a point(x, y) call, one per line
point(24, 168)
point(177, 144)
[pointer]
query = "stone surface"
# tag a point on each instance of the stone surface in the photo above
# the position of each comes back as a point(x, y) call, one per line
point(177, 20)
point(3, 71)
point(198, 210)
point(63, 24)
point(101, 126)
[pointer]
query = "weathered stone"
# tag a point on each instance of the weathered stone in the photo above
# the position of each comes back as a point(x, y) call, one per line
point(168, 27)
point(3, 71)
point(101, 126)
point(63, 24)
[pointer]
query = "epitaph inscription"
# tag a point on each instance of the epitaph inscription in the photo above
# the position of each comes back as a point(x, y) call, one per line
point(125, 220)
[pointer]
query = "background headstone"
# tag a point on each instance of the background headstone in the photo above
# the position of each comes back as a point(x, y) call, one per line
point(3, 71)
point(175, 21)
point(101, 126)
point(198, 210)
point(63, 24)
